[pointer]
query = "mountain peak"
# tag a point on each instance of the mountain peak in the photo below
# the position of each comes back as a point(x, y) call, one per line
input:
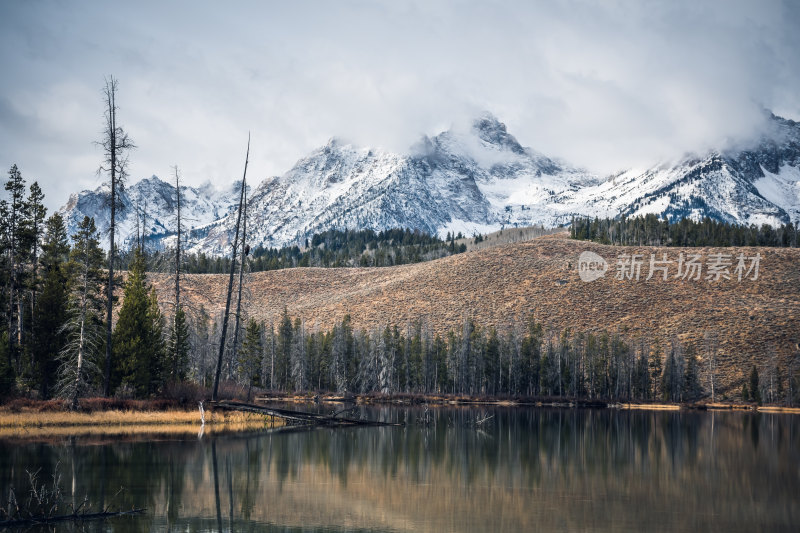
point(487, 120)
point(492, 131)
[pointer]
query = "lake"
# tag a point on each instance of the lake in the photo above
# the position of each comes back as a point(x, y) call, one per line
point(448, 469)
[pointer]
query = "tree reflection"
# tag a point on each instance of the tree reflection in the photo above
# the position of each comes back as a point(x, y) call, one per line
point(548, 468)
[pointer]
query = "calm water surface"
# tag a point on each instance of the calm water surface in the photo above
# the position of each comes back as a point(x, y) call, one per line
point(468, 469)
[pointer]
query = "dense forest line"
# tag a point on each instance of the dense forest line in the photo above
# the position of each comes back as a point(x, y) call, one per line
point(528, 361)
point(332, 248)
point(52, 342)
point(648, 230)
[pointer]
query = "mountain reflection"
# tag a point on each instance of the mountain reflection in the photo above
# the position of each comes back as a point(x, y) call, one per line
point(447, 470)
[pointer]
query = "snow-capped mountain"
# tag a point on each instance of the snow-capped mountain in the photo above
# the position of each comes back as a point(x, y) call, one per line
point(755, 184)
point(474, 180)
point(155, 197)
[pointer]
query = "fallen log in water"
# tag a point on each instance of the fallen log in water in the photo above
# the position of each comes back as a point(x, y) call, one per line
point(300, 417)
point(75, 517)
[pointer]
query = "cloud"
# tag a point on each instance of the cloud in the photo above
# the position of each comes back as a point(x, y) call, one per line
point(601, 84)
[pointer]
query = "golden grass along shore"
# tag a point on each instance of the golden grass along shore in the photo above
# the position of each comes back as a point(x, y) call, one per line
point(31, 423)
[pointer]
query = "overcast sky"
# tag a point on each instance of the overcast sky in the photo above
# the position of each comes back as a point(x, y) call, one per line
point(604, 85)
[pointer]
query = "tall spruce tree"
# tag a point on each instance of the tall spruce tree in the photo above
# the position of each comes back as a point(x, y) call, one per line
point(755, 391)
point(178, 348)
point(249, 357)
point(656, 369)
point(37, 213)
point(158, 346)
point(49, 316)
point(16, 240)
point(284, 350)
point(138, 343)
point(691, 381)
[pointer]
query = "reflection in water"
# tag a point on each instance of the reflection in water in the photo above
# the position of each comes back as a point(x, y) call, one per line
point(464, 469)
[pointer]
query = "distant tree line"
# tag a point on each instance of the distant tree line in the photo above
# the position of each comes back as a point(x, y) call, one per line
point(527, 361)
point(648, 230)
point(333, 248)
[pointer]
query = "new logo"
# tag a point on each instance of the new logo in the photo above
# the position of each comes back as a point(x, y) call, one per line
point(591, 266)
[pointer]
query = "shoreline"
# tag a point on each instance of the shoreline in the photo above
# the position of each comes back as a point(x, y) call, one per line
point(40, 420)
point(467, 401)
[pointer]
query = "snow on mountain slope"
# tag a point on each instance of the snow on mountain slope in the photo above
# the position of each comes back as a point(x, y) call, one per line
point(693, 188)
point(472, 180)
point(782, 189)
point(756, 184)
point(199, 206)
point(480, 179)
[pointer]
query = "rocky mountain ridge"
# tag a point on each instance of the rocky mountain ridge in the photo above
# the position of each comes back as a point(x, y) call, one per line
point(472, 181)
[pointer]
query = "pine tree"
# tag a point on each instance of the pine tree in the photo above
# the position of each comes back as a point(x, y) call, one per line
point(36, 226)
point(492, 365)
point(298, 356)
point(283, 351)
point(415, 359)
point(672, 386)
point(16, 236)
point(385, 350)
point(83, 329)
point(656, 369)
point(668, 378)
point(755, 393)
point(251, 354)
point(158, 346)
point(138, 341)
point(49, 316)
point(178, 348)
point(7, 378)
point(691, 381)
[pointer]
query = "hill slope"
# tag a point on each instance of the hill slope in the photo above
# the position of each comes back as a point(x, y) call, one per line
point(504, 286)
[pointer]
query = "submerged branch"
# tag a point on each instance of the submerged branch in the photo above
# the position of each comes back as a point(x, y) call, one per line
point(301, 417)
point(75, 517)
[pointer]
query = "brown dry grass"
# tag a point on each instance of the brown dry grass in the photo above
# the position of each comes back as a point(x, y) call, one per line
point(33, 423)
point(651, 406)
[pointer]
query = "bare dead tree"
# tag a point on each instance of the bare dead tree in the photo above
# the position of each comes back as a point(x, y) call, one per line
point(178, 241)
point(83, 329)
point(115, 144)
point(244, 252)
point(177, 346)
point(138, 211)
point(230, 278)
point(711, 346)
point(144, 229)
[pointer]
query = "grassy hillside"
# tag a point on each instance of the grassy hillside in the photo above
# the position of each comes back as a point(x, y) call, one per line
point(505, 285)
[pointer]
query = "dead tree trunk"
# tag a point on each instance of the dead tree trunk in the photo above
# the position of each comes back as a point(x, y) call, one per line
point(230, 279)
point(115, 142)
point(241, 279)
point(177, 346)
